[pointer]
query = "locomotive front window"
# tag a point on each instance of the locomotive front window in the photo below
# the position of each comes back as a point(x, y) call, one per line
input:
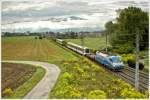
point(115, 60)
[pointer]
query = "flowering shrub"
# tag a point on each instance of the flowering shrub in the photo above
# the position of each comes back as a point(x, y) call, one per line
point(78, 69)
point(8, 92)
point(121, 89)
point(97, 94)
point(67, 75)
point(68, 91)
point(96, 68)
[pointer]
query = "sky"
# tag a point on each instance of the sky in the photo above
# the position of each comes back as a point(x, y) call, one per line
point(62, 15)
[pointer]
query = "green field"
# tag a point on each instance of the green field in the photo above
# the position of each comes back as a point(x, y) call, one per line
point(94, 43)
point(79, 78)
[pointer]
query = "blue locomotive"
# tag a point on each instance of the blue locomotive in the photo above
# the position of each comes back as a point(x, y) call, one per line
point(111, 62)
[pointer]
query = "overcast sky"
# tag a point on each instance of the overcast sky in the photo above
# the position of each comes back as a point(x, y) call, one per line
point(34, 15)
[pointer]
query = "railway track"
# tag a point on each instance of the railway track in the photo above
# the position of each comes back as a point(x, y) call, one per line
point(128, 74)
point(130, 78)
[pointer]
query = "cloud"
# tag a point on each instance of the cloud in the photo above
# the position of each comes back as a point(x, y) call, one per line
point(62, 14)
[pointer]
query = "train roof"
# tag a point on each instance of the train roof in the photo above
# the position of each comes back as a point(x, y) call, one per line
point(77, 45)
point(102, 54)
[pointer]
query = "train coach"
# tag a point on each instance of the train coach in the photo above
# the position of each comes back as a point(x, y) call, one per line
point(60, 41)
point(79, 49)
point(110, 61)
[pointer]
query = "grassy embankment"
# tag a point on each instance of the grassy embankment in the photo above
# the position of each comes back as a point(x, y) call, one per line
point(19, 79)
point(79, 78)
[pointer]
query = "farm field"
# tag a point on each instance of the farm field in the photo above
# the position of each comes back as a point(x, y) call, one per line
point(19, 79)
point(29, 48)
point(15, 73)
point(99, 43)
point(79, 78)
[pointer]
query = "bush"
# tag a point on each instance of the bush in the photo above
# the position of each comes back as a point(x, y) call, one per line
point(127, 57)
point(124, 48)
point(35, 37)
point(40, 37)
point(94, 51)
point(8, 92)
point(97, 94)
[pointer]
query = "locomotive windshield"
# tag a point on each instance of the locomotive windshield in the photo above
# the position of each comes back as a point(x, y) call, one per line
point(115, 59)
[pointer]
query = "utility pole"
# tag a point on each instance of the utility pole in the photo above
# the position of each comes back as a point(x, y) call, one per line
point(137, 63)
point(106, 41)
point(82, 42)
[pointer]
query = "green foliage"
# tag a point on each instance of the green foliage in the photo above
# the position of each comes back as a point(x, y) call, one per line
point(126, 57)
point(68, 91)
point(96, 68)
point(131, 21)
point(123, 90)
point(124, 48)
point(97, 94)
point(94, 51)
point(127, 93)
point(8, 92)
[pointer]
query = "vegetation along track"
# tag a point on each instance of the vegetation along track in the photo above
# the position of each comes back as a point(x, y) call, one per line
point(128, 75)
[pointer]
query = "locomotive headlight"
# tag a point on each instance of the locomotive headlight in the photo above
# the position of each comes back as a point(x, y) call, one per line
point(114, 65)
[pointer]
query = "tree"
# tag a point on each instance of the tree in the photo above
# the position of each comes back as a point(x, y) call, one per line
point(131, 20)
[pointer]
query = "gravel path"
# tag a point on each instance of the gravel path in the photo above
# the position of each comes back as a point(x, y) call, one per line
point(43, 88)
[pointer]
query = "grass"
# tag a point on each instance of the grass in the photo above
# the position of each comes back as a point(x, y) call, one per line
point(94, 43)
point(70, 79)
point(22, 90)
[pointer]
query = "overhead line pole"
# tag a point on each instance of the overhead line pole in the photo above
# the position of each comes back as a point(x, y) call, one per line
point(106, 41)
point(137, 63)
point(82, 43)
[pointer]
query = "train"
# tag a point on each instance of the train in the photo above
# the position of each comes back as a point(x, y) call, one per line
point(112, 62)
